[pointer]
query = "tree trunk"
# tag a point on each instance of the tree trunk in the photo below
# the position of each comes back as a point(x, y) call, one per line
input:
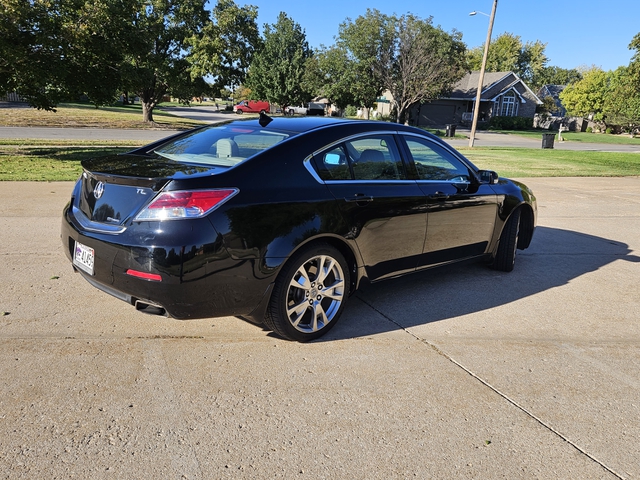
point(147, 111)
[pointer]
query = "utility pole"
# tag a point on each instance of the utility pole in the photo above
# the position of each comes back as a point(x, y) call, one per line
point(476, 108)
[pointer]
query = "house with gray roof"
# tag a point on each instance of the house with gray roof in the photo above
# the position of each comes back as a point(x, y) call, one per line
point(554, 91)
point(503, 94)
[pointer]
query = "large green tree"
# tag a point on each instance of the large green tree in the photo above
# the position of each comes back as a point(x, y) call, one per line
point(586, 97)
point(330, 73)
point(226, 46)
point(404, 54)
point(622, 102)
point(158, 65)
point(54, 50)
point(507, 53)
point(278, 69)
point(556, 76)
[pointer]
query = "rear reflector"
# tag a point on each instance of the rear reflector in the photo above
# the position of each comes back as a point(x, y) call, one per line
point(144, 275)
point(185, 204)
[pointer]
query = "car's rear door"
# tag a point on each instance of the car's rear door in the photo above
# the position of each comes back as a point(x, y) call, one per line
point(461, 211)
point(386, 212)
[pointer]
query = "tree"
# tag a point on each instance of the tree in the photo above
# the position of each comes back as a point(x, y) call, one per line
point(556, 76)
point(507, 53)
point(54, 50)
point(227, 44)
point(622, 103)
point(158, 65)
point(422, 63)
point(277, 71)
point(30, 56)
point(587, 96)
point(362, 43)
point(331, 74)
point(406, 55)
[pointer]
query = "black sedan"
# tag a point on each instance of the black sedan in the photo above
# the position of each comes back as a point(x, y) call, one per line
point(279, 220)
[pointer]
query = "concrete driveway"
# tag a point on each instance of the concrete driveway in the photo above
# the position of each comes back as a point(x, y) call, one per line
point(458, 373)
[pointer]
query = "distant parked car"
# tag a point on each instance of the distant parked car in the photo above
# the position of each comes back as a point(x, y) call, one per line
point(252, 106)
point(279, 220)
point(296, 111)
point(315, 108)
point(312, 108)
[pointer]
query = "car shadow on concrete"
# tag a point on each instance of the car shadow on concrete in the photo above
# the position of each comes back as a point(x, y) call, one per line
point(555, 258)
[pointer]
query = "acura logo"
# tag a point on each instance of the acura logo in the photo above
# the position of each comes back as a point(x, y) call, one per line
point(98, 190)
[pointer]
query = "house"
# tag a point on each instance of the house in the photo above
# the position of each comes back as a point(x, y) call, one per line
point(503, 94)
point(553, 91)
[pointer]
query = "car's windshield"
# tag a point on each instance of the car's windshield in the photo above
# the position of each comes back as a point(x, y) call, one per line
point(225, 145)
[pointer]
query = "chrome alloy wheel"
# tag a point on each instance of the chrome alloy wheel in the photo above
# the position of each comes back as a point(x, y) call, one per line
point(315, 294)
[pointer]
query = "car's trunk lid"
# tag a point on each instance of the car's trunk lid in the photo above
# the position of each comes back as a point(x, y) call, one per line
point(114, 188)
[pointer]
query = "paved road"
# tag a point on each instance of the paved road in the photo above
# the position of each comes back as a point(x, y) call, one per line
point(493, 139)
point(210, 114)
point(458, 373)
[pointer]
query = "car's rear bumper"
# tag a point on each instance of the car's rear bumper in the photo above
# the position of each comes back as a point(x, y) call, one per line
point(197, 278)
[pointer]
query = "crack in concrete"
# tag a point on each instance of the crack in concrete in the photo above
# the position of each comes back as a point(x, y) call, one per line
point(506, 397)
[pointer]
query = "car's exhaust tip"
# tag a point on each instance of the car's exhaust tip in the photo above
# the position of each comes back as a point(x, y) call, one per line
point(149, 308)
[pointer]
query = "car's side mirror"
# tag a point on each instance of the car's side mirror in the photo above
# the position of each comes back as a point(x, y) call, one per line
point(488, 176)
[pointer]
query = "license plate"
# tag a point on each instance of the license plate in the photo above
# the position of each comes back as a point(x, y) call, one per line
point(83, 257)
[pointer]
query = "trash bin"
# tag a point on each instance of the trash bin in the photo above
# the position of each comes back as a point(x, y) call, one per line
point(451, 130)
point(547, 140)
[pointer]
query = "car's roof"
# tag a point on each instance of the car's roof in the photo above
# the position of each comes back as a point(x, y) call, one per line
point(301, 124)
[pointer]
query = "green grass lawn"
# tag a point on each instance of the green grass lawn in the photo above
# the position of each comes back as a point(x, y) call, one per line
point(53, 163)
point(61, 161)
point(528, 162)
point(582, 137)
point(85, 115)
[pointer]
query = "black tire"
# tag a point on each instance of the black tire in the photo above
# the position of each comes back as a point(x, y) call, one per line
point(307, 302)
point(239, 111)
point(506, 254)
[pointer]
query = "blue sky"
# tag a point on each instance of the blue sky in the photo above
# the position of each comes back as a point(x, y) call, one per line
point(577, 33)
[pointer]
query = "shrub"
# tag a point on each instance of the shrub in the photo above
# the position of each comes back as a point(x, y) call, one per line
point(511, 123)
point(350, 111)
point(608, 131)
point(589, 130)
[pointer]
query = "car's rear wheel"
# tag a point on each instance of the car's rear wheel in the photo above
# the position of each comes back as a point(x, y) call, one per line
point(506, 254)
point(309, 294)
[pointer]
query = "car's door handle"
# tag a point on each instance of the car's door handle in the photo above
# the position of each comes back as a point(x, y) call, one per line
point(438, 196)
point(360, 199)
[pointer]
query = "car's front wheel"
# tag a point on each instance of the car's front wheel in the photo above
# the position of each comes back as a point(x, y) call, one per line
point(309, 294)
point(506, 254)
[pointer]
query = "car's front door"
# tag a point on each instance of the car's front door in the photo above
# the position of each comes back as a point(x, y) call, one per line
point(386, 213)
point(461, 212)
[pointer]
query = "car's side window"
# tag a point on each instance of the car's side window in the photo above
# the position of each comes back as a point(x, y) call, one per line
point(434, 162)
point(375, 158)
point(333, 164)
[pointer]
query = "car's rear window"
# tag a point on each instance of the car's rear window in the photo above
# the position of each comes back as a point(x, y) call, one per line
point(225, 145)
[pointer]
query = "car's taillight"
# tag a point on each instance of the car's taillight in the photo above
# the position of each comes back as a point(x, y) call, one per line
point(185, 204)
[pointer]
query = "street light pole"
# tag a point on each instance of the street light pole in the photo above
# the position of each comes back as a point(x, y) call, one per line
point(476, 108)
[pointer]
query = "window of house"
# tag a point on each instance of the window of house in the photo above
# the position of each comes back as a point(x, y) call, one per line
point(509, 105)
